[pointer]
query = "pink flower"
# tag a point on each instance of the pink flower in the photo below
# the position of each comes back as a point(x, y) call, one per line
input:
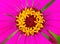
point(9, 33)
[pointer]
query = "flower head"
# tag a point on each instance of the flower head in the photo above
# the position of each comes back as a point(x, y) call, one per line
point(29, 21)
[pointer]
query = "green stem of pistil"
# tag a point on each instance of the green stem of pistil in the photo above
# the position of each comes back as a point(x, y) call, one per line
point(47, 5)
point(9, 37)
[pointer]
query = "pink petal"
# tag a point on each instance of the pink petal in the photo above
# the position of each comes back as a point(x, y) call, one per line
point(53, 26)
point(6, 18)
point(53, 23)
point(21, 39)
point(32, 40)
point(29, 3)
point(5, 28)
point(6, 25)
point(10, 3)
point(53, 17)
point(7, 10)
point(14, 39)
point(41, 39)
point(27, 40)
point(23, 3)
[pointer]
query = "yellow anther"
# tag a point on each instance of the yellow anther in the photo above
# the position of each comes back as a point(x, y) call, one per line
point(31, 29)
point(32, 32)
point(31, 9)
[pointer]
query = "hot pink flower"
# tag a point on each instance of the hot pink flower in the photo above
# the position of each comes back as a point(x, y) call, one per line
point(9, 33)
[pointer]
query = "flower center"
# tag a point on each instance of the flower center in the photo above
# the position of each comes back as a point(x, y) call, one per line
point(30, 21)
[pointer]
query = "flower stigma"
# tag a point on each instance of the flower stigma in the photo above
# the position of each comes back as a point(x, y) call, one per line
point(30, 21)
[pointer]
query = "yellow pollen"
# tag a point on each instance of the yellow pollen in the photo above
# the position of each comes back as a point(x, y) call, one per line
point(20, 19)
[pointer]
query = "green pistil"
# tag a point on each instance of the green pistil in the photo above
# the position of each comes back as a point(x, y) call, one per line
point(47, 5)
point(45, 35)
point(9, 37)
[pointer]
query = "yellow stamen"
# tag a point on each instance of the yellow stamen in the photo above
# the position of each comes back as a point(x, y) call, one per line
point(22, 25)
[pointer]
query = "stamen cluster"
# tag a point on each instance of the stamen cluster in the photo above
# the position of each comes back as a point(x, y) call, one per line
point(21, 21)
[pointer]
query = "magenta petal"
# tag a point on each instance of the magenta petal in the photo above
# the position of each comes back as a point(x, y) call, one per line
point(36, 4)
point(53, 17)
point(4, 26)
point(32, 40)
point(53, 23)
point(11, 4)
point(6, 8)
point(14, 39)
point(21, 39)
point(53, 26)
point(29, 3)
point(41, 39)
point(23, 3)
point(27, 40)
point(4, 16)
